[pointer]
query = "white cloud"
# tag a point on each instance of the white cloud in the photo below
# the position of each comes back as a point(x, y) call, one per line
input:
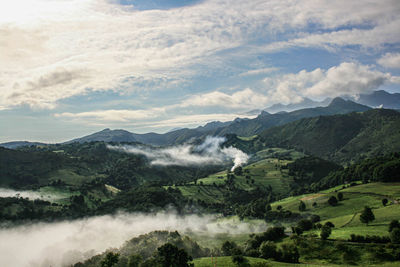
point(209, 152)
point(348, 78)
point(390, 60)
point(79, 46)
point(112, 115)
point(244, 99)
point(258, 71)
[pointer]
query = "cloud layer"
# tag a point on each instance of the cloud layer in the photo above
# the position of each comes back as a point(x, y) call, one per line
point(207, 153)
point(66, 243)
point(76, 47)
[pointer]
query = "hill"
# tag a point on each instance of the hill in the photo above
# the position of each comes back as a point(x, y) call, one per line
point(305, 103)
point(241, 127)
point(341, 137)
point(17, 144)
point(380, 98)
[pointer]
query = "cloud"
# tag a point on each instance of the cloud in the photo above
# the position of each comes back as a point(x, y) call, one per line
point(207, 153)
point(83, 46)
point(349, 78)
point(390, 60)
point(122, 115)
point(243, 99)
point(68, 242)
point(258, 71)
point(5, 192)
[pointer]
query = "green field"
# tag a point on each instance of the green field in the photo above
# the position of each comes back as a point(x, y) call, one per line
point(346, 215)
point(264, 172)
point(227, 262)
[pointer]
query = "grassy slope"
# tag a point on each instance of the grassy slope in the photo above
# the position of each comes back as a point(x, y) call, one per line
point(265, 172)
point(345, 215)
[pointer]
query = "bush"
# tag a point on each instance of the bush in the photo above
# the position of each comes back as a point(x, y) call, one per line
point(394, 224)
point(239, 260)
point(305, 225)
point(229, 248)
point(289, 253)
point(395, 236)
point(325, 232)
point(268, 250)
point(367, 215)
point(332, 201)
point(384, 201)
point(315, 218)
point(330, 224)
point(302, 206)
point(340, 196)
point(369, 239)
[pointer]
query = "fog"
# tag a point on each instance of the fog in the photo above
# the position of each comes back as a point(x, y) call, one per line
point(5, 192)
point(65, 243)
point(209, 152)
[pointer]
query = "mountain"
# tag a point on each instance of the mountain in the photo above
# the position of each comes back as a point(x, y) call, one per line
point(17, 144)
point(239, 126)
point(266, 120)
point(107, 135)
point(380, 98)
point(340, 138)
point(305, 103)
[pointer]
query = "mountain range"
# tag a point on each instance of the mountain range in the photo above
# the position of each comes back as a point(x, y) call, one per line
point(243, 127)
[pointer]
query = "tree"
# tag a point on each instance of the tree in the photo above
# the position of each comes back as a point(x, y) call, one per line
point(394, 224)
point(268, 250)
point(134, 260)
point(170, 255)
point(325, 232)
point(395, 236)
point(302, 206)
point(110, 259)
point(289, 253)
point(229, 248)
point(238, 171)
point(239, 260)
point(330, 224)
point(332, 201)
point(367, 215)
point(340, 196)
point(384, 201)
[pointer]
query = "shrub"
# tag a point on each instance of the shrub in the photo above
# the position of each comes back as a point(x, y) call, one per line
point(325, 232)
point(394, 224)
point(395, 236)
point(330, 224)
point(367, 215)
point(332, 201)
point(268, 250)
point(302, 206)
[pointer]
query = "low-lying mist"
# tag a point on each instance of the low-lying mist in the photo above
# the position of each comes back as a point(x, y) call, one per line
point(32, 195)
point(209, 152)
point(65, 243)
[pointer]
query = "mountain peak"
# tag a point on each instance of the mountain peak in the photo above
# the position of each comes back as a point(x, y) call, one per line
point(338, 101)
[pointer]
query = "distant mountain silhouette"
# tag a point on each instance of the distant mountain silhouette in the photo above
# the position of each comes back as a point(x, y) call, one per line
point(17, 144)
point(239, 126)
point(305, 103)
point(380, 99)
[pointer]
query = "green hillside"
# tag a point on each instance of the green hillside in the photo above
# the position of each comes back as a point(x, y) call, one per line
point(341, 138)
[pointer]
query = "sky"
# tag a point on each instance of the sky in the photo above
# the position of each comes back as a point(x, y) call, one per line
point(69, 68)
